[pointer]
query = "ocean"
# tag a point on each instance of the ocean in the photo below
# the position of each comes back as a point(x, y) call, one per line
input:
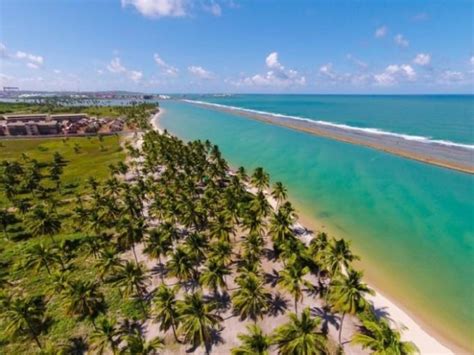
point(411, 223)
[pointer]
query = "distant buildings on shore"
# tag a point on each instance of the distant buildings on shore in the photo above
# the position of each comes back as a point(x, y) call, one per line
point(56, 124)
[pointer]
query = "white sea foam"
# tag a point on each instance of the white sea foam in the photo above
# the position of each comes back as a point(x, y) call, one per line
point(373, 131)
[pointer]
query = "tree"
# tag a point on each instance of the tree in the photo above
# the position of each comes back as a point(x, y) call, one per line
point(213, 275)
point(381, 339)
point(252, 343)
point(292, 280)
point(251, 300)
point(39, 256)
point(300, 335)
point(43, 222)
point(338, 256)
point(164, 309)
point(6, 218)
point(22, 316)
point(132, 280)
point(138, 345)
point(347, 295)
point(181, 266)
point(197, 320)
point(260, 179)
point(105, 336)
point(108, 262)
point(83, 298)
point(279, 193)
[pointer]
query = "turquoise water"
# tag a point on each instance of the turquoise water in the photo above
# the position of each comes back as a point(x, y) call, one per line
point(414, 222)
point(433, 116)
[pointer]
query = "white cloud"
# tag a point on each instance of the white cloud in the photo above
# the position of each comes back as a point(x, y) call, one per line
point(159, 8)
point(422, 59)
point(450, 76)
point(115, 66)
point(32, 65)
point(471, 60)
point(169, 70)
point(422, 16)
point(395, 73)
point(100, 71)
point(200, 72)
point(401, 41)
point(381, 32)
point(57, 71)
point(135, 75)
point(328, 74)
point(276, 76)
point(213, 8)
point(32, 61)
point(358, 62)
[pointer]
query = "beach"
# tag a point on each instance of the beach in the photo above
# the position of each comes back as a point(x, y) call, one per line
point(458, 157)
point(412, 330)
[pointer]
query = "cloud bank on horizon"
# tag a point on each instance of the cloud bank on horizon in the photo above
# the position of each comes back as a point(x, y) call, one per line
point(230, 46)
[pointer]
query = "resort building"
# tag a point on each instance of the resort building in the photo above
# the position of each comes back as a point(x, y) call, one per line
point(25, 117)
point(69, 117)
point(17, 129)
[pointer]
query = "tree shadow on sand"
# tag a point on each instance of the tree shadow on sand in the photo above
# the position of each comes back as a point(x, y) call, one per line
point(278, 305)
point(328, 318)
point(272, 277)
point(216, 339)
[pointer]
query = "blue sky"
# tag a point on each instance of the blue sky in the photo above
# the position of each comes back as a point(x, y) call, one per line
point(298, 46)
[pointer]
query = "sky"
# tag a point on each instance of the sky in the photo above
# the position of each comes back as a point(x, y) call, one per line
point(239, 46)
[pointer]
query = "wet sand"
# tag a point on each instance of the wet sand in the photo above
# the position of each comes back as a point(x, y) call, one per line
point(456, 157)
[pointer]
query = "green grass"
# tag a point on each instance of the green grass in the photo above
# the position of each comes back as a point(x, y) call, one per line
point(93, 157)
point(99, 111)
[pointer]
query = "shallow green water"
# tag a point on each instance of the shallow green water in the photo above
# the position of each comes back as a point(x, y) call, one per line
point(412, 223)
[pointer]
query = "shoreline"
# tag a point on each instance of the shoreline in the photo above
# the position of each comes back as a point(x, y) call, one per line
point(417, 330)
point(457, 158)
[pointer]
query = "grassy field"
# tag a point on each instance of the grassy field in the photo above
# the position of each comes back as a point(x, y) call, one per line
point(86, 156)
point(92, 110)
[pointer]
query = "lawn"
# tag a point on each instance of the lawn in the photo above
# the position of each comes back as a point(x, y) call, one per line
point(85, 156)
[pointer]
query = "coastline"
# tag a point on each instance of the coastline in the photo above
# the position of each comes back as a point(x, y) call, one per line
point(413, 327)
point(455, 157)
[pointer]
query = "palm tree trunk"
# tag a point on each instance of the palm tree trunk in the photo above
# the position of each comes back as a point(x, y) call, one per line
point(340, 328)
point(296, 305)
point(173, 327)
point(35, 337)
point(134, 253)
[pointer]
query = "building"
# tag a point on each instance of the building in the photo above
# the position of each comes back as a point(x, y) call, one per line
point(116, 125)
point(3, 128)
point(48, 127)
point(35, 117)
point(17, 128)
point(69, 117)
point(32, 128)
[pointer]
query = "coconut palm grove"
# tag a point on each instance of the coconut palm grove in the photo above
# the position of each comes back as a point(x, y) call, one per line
point(166, 249)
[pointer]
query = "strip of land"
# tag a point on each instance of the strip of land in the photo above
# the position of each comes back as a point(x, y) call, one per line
point(453, 156)
point(412, 331)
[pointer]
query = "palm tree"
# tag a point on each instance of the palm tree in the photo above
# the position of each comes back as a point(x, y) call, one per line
point(347, 295)
point(251, 300)
point(338, 256)
point(106, 335)
point(197, 320)
point(43, 222)
point(6, 218)
point(108, 262)
point(300, 335)
point(279, 193)
point(181, 266)
point(213, 275)
point(381, 339)
point(132, 279)
point(22, 315)
point(83, 298)
point(138, 345)
point(292, 280)
point(222, 251)
point(164, 309)
point(39, 256)
point(254, 342)
point(260, 179)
